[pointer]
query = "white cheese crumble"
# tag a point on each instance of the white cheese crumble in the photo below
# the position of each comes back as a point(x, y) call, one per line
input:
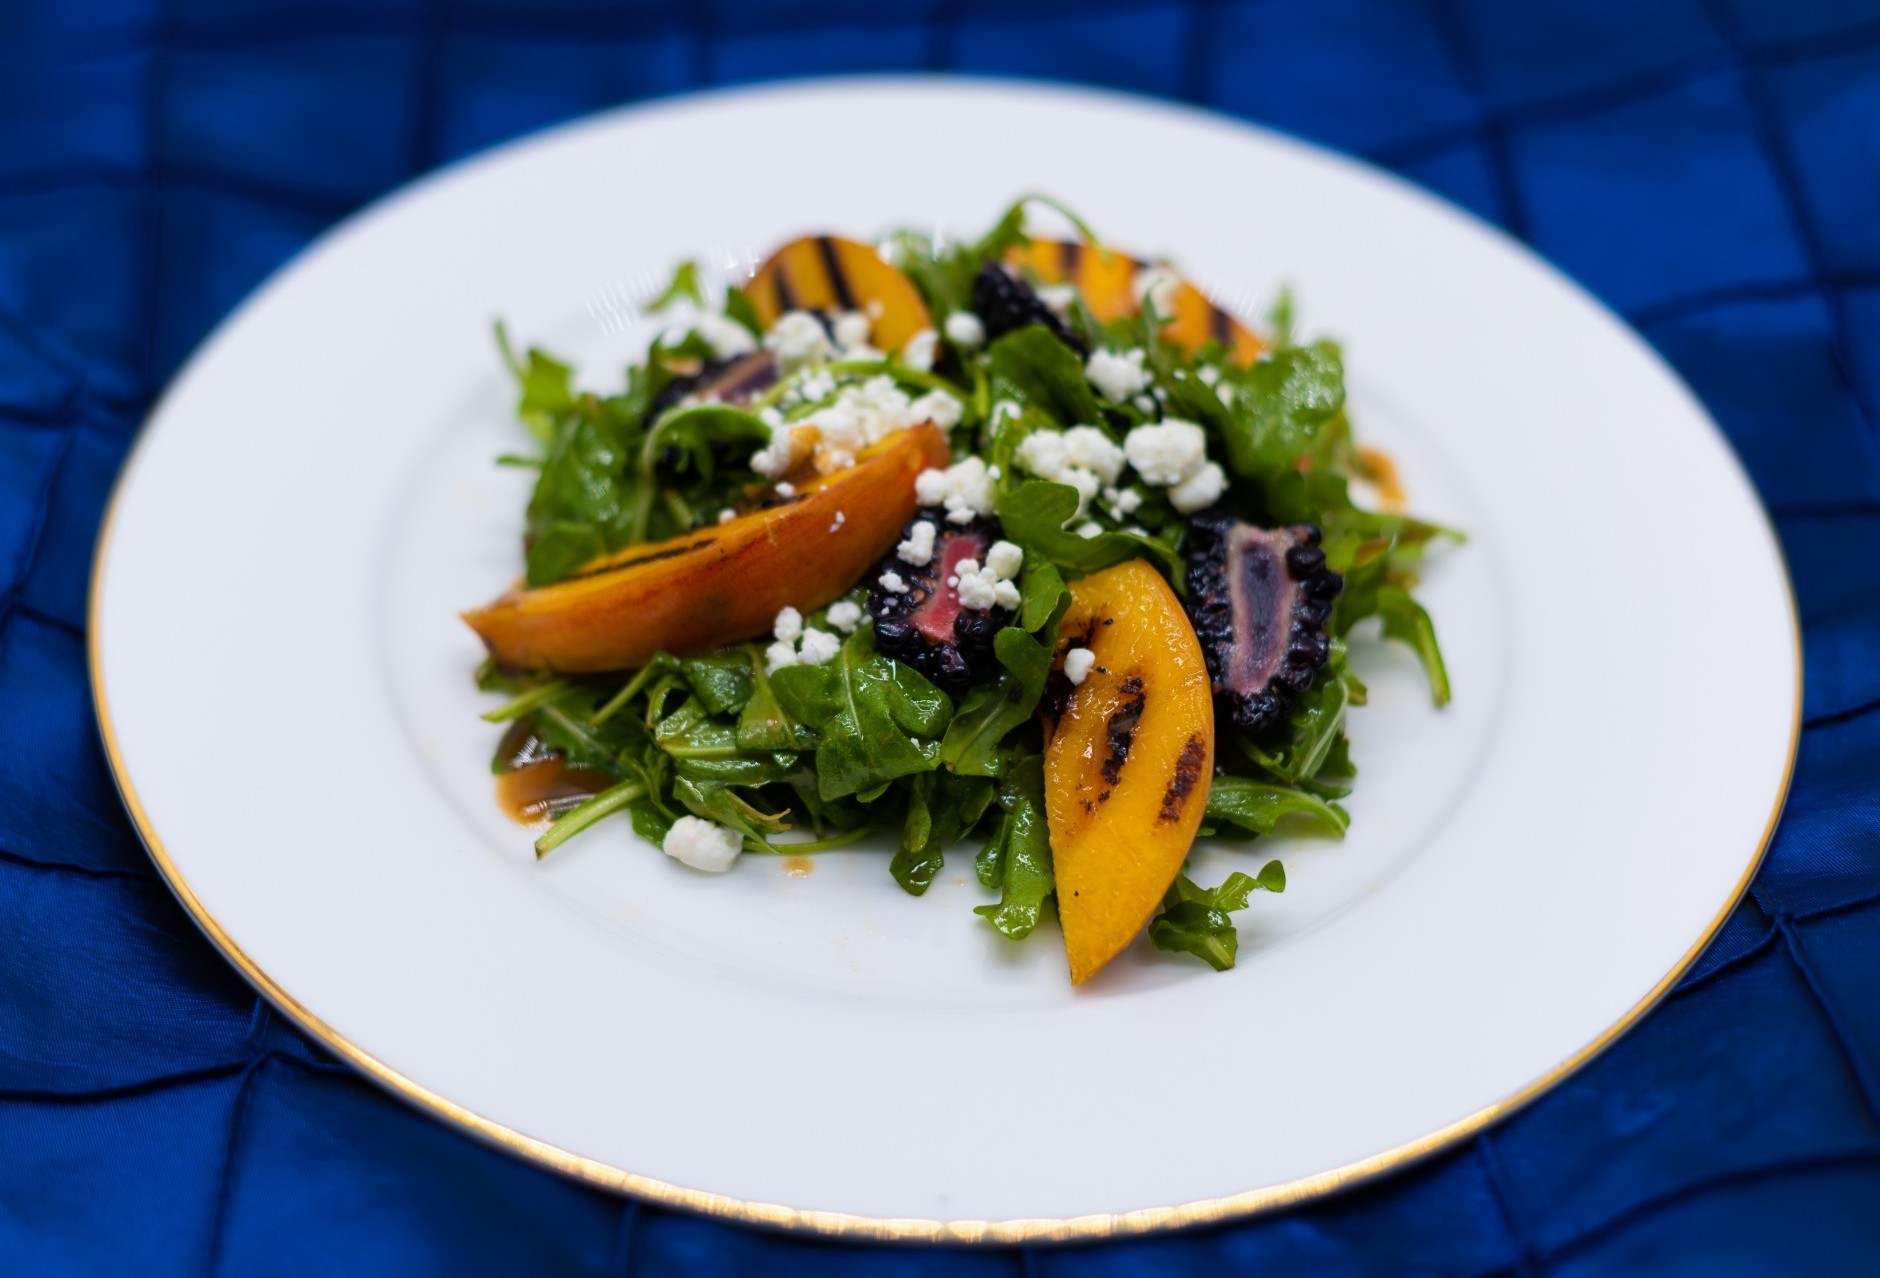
point(1157, 286)
point(786, 490)
point(1117, 376)
point(845, 615)
point(815, 386)
point(778, 655)
point(788, 448)
point(727, 338)
point(918, 352)
point(1203, 488)
point(918, 548)
point(1095, 451)
point(1168, 452)
point(1085, 482)
point(726, 515)
point(1005, 559)
point(1077, 663)
point(798, 340)
point(1122, 502)
point(1057, 298)
point(1043, 453)
point(892, 582)
point(818, 648)
point(964, 488)
point(1209, 374)
point(788, 627)
point(938, 407)
point(993, 583)
point(836, 523)
point(851, 330)
point(965, 330)
point(1089, 528)
point(703, 845)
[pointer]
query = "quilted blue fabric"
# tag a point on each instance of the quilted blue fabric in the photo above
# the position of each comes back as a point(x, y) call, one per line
point(1711, 168)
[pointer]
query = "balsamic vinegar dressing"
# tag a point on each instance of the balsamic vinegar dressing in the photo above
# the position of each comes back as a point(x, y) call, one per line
point(534, 783)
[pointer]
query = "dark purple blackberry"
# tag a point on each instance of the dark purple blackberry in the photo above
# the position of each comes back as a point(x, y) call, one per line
point(1259, 599)
point(1004, 302)
point(924, 624)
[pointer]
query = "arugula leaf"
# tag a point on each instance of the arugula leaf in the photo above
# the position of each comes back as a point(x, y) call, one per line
point(762, 724)
point(722, 680)
point(683, 286)
point(1194, 920)
point(1034, 516)
point(1279, 405)
point(874, 718)
point(1259, 807)
point(1406, 621)
point(1017, 859)
point(1313, 728)
point(990, 711)
point(1035, 369)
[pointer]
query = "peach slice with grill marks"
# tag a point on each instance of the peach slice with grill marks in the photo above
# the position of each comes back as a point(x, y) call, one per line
point(1129, 755)
point(1108, 286)
point(720, 583)
point(828, 273)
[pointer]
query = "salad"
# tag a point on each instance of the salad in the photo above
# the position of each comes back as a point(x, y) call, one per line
point(1016, 544)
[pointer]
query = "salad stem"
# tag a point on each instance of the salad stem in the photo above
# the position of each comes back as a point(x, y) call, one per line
point(619, 699)
point(606, 803)
point(534, 699)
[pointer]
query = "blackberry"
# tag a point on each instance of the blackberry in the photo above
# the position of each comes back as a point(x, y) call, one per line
point(1259, 599)
point(924, 623)
point(1004, 302)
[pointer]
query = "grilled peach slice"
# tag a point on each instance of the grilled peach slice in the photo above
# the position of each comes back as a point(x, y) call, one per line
point(719, 583)
point(824, 272)
point(1127, 760)
point(1109, 290)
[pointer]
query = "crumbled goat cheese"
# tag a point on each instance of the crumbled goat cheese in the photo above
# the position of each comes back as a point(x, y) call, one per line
point(1227, 391)
point(815, 386)
point(1077, 663)
point(771, 416)
point(818, 647)
point(1005, 559)
point(1117, 376)
point(1122, 502)
point(703, 845)
point(727, 338)
point(788, 626)
point(851, 329)
point(1090, 448)
point(798, 340)
point(786, 490)
point(1089, 528)
point(1209, 374)
point(1157, 286)
point(1203, 488)
point(938, 407)
point(966, 331)
point(889, 251)
point(891, 581)
point(1058, 299)
point(1005, 409)
point(1168, 452)
point(1043, 453)
point(787, 449)
point(1085, 482)
point(994, 472)
point(918, 352)
point(975, 585)
point(726, 515)
point(964, 488)
point(845, 615)
point(778, 655)
point(838, 521)
point(1144, 404)
point(1005, 594)
point(918, 548)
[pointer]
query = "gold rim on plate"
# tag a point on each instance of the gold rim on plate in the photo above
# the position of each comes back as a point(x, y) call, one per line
point(897, 1229)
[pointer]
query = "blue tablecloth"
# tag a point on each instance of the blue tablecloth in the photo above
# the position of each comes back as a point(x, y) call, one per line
point(1711, 168)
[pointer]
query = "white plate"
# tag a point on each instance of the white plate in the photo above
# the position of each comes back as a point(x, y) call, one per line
point(285, 696)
